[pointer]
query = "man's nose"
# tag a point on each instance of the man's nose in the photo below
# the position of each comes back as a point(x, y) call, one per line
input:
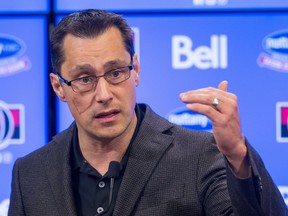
point(103, 91)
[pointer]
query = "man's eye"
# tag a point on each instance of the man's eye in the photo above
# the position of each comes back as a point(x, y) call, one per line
point(85, 80)
point(115, 73)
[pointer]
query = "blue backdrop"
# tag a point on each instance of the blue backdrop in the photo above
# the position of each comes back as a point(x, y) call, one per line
point(23, 93)
point(169, 5)
point(179, 49)
point(24, 7)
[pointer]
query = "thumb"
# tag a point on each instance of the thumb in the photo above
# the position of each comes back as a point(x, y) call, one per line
point(223, 85)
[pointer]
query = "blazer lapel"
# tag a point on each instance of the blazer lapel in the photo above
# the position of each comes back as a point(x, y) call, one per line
point(58, 171)
point(147, 149)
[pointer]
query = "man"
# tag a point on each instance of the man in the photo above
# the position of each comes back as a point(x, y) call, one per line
point(120, 158)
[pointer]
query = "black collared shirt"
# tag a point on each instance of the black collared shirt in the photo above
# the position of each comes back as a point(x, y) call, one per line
point(91, 189)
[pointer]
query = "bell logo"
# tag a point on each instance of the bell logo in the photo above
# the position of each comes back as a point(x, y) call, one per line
point(202, 57)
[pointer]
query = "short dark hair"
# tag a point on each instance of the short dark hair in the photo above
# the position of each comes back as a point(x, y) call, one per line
point(87, 24)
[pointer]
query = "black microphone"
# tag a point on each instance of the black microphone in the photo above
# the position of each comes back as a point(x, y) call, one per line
point(112, 173)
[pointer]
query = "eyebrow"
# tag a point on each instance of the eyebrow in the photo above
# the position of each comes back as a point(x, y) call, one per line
point(116, 62)
point(89, 68)
point(79, 68)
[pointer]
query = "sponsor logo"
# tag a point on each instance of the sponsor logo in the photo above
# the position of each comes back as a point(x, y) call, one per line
point(203, 57)
point(136, 41)
point(4, 205)
point(275, 55)
point(12, 129)
point(11, 55)
point(284, 192)
point(189, 119)
point(282, 121)
point(210, 2)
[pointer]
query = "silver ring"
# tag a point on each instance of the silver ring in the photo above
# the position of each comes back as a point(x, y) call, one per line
point(215, 102)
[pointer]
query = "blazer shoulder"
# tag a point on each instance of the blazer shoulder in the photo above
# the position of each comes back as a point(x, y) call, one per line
point(59, 144)
point(180, 134)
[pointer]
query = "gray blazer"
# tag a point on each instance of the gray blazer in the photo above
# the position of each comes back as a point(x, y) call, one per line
point(170, 171)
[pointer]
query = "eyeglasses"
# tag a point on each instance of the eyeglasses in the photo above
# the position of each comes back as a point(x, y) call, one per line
point(87, 83)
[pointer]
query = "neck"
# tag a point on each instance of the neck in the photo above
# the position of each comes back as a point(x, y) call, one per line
point(99, 156)
point(100, 152)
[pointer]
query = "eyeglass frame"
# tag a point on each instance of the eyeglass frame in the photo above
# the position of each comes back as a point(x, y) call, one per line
point(69, 83)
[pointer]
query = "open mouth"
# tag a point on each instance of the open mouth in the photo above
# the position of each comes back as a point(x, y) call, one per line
point(108, 114)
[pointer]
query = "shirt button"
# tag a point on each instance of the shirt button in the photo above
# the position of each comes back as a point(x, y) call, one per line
point(100, 209)
point(101, 184)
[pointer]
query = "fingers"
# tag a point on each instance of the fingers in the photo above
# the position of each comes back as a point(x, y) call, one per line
point(206, 96)
point(203, 101)
point(223, 86)
point(202, 97)
point(213, 114)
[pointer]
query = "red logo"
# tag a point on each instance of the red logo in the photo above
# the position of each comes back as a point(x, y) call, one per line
point(12, 129)
point(282, 121)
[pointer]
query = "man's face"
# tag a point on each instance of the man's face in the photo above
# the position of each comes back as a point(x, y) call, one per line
point(107, 111)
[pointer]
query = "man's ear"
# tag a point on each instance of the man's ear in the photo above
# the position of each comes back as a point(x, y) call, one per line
point(136, 69)
point(57, 87)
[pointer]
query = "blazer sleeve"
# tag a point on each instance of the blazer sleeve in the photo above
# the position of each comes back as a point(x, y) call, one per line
point(257, 194)
point(16, 207)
